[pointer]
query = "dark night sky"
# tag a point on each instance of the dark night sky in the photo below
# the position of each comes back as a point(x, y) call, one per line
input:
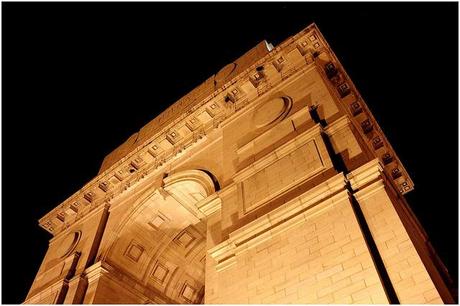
point(80, 78)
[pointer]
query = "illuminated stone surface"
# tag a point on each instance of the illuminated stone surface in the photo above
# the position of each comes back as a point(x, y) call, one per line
point(269, 183)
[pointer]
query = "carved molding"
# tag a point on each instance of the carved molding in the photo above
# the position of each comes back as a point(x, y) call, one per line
point(152, 155)
point(94, 272)
point(294, 212)
point(179, 130)
point(277, 131)
point(186, 176)
point(189, 188)
point(253, 195)
point(210, 205)
point(365, 174)
point(278, 153)
point(365, 181)
point(369, 190)
point(365, 123)
point(337, 125)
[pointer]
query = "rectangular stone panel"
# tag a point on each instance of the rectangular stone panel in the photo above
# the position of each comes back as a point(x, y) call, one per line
point(134, 251)
point(159, 273)
point(281, 175)
point(184, 239)
point(321, 258)
point(188, 292)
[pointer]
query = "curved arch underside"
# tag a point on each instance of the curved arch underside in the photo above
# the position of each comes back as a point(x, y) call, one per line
point(161, 246)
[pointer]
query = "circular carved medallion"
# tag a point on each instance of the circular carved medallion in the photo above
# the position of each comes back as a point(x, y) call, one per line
point(69, 244)
point(225, 72)
point(270, 112)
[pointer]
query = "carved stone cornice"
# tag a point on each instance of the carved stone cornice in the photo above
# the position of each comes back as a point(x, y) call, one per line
point(361, 117)
point(94, 272)
point(202, 116)
point(367, 179)
point(210, 205)
point(199, 119)
point(365, 175)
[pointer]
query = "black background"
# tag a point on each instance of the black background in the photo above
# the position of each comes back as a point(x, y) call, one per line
point(80, 78)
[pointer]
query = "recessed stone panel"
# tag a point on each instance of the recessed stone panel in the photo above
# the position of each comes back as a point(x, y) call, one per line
point(160, 272)
point(184, 239)
point(188, 292)
point(158, 220)
point(163, 271)
point(134, 251)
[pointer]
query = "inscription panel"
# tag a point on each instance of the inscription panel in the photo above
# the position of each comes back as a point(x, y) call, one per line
point(281, 175)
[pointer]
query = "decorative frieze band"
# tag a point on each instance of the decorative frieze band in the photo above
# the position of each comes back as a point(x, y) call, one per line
point(176, 136)
point(363, 120)
point(204, 115)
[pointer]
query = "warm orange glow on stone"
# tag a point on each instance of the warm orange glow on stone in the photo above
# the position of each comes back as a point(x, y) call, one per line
point(273, 184)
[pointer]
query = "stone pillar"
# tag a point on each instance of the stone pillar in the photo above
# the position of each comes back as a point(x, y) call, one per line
point(104, 288)
point(407, 273)
point(76, 291)
point(309, 250)
point(93, 275)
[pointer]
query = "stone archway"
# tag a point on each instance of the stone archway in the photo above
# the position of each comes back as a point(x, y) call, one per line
point(160, 246)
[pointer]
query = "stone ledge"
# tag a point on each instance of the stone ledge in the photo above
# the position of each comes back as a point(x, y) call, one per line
point(278, 153)
point(365, 174)
point(294, 212)
point(369, 190)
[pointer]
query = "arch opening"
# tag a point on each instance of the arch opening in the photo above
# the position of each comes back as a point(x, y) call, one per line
point(161, 247)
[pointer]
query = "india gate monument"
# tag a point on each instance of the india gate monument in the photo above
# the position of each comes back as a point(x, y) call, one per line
point(271, 182)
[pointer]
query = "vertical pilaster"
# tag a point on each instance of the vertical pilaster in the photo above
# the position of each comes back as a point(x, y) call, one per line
point(76, 290)
point(407, 273)
point(93, 275)
point(105, 288)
